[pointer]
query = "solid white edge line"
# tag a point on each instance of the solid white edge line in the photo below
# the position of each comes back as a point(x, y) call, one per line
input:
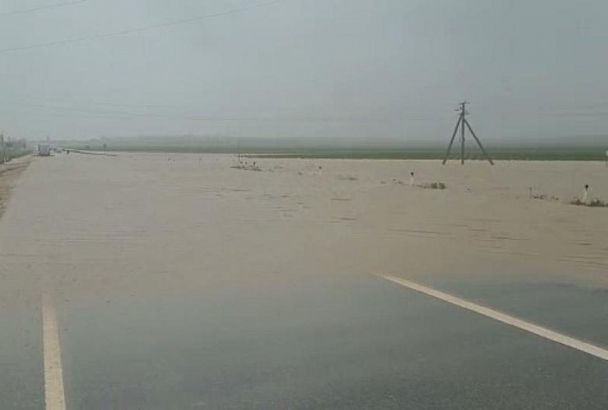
point(54, 394)
point(504, 318)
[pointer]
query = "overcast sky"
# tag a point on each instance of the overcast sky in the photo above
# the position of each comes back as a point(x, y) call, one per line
point(321, 68)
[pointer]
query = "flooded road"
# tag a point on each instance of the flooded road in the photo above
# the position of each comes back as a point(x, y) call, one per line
point(178, 282)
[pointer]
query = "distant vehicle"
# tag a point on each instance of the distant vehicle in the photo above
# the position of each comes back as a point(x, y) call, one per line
point(43, 150)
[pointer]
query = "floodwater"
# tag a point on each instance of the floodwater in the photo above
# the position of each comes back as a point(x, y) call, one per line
point(182, 283)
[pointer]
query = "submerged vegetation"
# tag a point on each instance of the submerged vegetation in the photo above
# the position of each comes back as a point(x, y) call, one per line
point(247, 167)
point(433, 185)
point(595, 203)
point(544, 197)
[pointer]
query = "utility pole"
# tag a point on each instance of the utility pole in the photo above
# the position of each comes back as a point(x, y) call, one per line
point(463, 112)
point(3, 155)
point(462, 122)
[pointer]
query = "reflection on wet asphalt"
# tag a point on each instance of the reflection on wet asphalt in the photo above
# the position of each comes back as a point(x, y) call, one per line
point(21, 373)
point(573, 309)
point(348, 343)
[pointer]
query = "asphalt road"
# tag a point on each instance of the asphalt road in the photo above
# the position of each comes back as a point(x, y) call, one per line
point(143, 326)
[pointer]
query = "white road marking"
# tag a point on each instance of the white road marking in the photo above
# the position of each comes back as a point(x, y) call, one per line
point(504, 318)
point(54, 395)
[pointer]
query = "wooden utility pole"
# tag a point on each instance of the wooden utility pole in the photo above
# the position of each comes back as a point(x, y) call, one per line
point(462, 121)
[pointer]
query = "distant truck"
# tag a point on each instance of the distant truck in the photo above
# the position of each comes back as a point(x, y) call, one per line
point(43, 150)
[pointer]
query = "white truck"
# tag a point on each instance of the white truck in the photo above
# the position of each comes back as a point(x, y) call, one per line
point(43, 150)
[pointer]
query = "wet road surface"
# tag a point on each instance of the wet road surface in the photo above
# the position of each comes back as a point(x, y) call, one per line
point(156, 310)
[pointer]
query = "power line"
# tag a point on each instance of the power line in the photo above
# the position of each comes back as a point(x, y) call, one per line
point(40, 8)
point(578, 114)
point(129, 115)
point(138, 29)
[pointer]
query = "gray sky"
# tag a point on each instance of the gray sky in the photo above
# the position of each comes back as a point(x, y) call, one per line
point(322, 68)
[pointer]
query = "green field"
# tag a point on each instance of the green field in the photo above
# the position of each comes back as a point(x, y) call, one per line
point(586, 149)
point(544, 153)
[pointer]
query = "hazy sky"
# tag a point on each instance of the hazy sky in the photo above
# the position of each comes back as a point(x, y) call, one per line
point(323, 68)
